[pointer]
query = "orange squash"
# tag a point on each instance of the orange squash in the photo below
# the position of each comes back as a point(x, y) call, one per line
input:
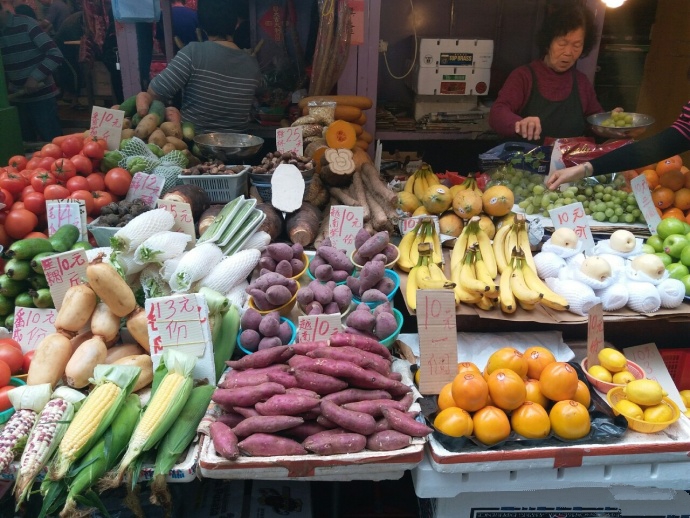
point(366, 137)
point(341, 135)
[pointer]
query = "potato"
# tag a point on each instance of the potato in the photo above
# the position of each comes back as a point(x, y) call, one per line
point(157, 138)
point(146, 126)
point(391, 252)
point(259, 299)
point(284, 268)
point(178, 143)
point(251, 319)
point(167, 148)
point(324, 273)
point(126, 133)
point(354, 284)
point(278, 295)
point(269, 342)
point(349, 395)
point(374, 295)
point(386, 324)
point(172, 129)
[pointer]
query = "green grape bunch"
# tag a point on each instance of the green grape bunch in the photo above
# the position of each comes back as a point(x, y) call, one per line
point(618, 120)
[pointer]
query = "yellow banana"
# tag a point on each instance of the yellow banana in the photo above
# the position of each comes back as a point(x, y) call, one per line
point(409, 184)
point(485, 303)
point(431, 178)
point(487, 253)
point(414, 249)
point(505, 294)
point(461, 294)
point(523, 243)
point(519, 287)
point(428, 283)
point(550, 298)
point(499, 248)
point(511, 242)
point(405, 261)
point(484, 276)
point(411, 289)
point(468, 276)
point(437, 250)
point(435, 272)
point(525, 306)
point(421, 184)
point(459, 248)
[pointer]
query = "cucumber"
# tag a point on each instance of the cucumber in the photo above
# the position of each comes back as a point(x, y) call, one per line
point(41, 298)
point(28, 248)
point(129, 106)
point(10, 287)
point(6, 306)
point(18, 269)
point(82, 245)
point(38, 281)
point(188, 131)
point(64, 238)
point(36, 264)
point(24, 300)
point(9, 321)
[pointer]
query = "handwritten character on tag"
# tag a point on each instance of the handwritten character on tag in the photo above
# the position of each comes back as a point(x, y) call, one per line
point(581, 231)
point(53, 277)
point(36, 335)
point(578, 213)
point(201, 320)
point(304, 336)
point(563, 218)
point(19, 318)
point(280, 143)
point(348, 239)
point(50, 318)
point(74, 280)
point(158, 345)
point(185, 218)
point(151, 317)
point(186, 307)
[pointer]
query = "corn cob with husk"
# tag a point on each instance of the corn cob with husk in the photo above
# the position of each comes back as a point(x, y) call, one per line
point(161, 246)
point(142, 227)
point(163, 409)
point(230, 271)
point(177, 440)
point(28, 401)
point(195, 265)
point(113, 383)
point(44, 438)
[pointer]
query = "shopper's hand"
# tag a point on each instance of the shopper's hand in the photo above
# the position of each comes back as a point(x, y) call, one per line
point(31, 85)
point(529, 128)
point(569, 174)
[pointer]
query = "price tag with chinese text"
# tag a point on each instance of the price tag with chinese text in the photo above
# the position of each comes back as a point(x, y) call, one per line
point(643, 195)
point(31, 325)
point(573, 216)
point(63, 271)
point(63, 212)
point(146, 187)
point(408, 224)
point(343, 224)
point(184, 222)
point(595, 334)
point(290, 140)
point(312, 328)
point(438, 339)
point(181, 321)
point(107, 124)
point(648, 357)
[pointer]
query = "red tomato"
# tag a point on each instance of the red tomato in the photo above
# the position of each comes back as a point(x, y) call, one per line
point(93, 149)
point(12, 356)
point(27, 190)
point(51, 150)
point(77, 183)
point(82, 164)
point(5, 403)
point(13, 182)
point(33, 162)
point(96, 181)
point(100, 200)
point(35, 202)
point(5, 375)
point(72, 146)
point(27, 360)
point(11, 342)
point(8, 199)
point(42, 179)
point(17, 205)
point(86, 196)
point(37, 235)
point(117, 180)
point(55, 192)
point(20, 222)
point(63, 169)
point(46, 162)
point(18, 161)
point(27, 173)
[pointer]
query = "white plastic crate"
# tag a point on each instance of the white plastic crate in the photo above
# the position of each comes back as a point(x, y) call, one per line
point(220, 188)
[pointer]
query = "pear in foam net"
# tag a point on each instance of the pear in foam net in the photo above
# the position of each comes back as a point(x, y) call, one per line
point(565, 237)
point(622, 241)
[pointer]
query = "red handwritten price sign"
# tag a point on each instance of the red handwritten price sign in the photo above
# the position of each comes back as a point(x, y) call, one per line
point(64, 212)
point(344, 223)
point(595, 334)
point(648, 357)
point(145, 187)
point(31, 325)
point(408, 224)
point(182, 212)
point(643, 195)
point(438, 339)
point(107, 124)
point(63, 271)
point(573, 216)
point(311, 328)
point(290, 140)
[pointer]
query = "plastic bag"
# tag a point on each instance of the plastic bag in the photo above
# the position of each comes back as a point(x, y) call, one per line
point(521, 155)
point(323, 111)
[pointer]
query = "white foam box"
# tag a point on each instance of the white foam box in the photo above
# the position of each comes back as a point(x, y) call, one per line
point(453, 53)
point(579, 502)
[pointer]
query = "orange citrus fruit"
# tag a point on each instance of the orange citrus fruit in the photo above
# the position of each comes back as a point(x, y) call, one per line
point(662, 197)
point(537, 358)
point(674, 180)
point(454, 421)
point(491, 425)
point(558, 381)
point(682, 199)
point(507, 389)
point(673, 212)
point(652, 178)
point(673, 163)
point(570, 420)
point(531, 420)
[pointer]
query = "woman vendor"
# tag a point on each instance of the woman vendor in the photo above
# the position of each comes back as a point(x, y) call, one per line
point(217, 79)
point(549, 97)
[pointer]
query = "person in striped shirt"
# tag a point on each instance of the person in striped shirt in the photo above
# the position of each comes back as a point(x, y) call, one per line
point(669, 142)
point(30, 57)
point(218, 80)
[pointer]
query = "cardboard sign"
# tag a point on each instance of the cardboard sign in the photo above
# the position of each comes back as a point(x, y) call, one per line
point(63, 271)
point(31, 325)
point(648, 357)
point(63, 212)
point(184, 222)
point(408, 224)
point(643, 195)
point(438, 339)
point(146, 187)
point(595, 334)
point(343, 224)
point(107, 124)
point(181, 321)
point(573, 216)
point(289, 140)
point(312, 328)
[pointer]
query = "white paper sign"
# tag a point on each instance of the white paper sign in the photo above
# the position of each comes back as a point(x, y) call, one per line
point(66, 211)
point(648, 357)
point(31, 325)
point(184, 221)
point(287, 188)
point(343, 224)
point(290, 140)
point(573, 216)
point(63, 271)
point(107, 124)
point(643, 195)
point(147, 187)
point(312, 328)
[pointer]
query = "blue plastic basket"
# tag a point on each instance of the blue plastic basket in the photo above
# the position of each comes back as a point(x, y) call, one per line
point(282, 319)
point(391, 274)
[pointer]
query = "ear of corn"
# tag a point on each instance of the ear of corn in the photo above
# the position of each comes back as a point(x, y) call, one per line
point(162, 410)
point(113, 384)
point(43, 440)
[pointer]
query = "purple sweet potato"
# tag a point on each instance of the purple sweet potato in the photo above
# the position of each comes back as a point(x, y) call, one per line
point(231, 419)
point(315, 262)
point(336, 258)
point(358, 259)
point(314, 308)
point(286, 404)
point(383, 308)
point(224, 440)
point(303, 392)
point(297, 266)
point(259, 299)
point(269, 342)
point(386, 324)
point(279, 251)
point(380, 257)
point(370, 275)
point(353, 394)
point(331, 308)
point(268, 279)
point(305, 347)
point(278, 295)
point(403, 423)
point(267, 263)
point(357, 422)
point(375, 244)
point(249, 339)
point(385, 285)
point(353, 283)
point(266, 424)
point(246, 396)
point(251, 319)
point(324, 273)
point(361, 320)
point(320, 383)
point(391, 252)
point(335, 443)
point(342, 296)
point(388, 440)
point(361, 237)
point(286, 379)
point(322, 293)
point(374, 407)
point(269, 445)
point(263, 358)
point(353, 355)
point(297, 250)
point(284, 333)
point(366, 344)
point(305, 296)
point(284, 268)
point(269, 324)
point(373, 295)
point(340, 275)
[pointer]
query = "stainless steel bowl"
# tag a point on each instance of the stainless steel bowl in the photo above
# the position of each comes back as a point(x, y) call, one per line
point(639, 125)
point(228, 146)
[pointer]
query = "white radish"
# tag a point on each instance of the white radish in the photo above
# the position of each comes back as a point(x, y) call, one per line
point(231, 271)
point(161, 246)
point(142, 227)
point(194, 265)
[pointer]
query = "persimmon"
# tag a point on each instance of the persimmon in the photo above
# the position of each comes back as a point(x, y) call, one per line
point(570, 420)
point(507, 358)
point(533, 393)
point(445, 397)
point(491, 425)
point(662, 197)
point(470, 391)
point(454, 421)
point(537, 358)
point(507, 389)
point(531, 421)
point(558, 381)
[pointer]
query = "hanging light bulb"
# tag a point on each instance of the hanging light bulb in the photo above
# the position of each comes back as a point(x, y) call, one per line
point(613, 3)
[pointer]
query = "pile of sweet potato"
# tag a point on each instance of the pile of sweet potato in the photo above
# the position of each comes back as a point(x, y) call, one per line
point(326, 398)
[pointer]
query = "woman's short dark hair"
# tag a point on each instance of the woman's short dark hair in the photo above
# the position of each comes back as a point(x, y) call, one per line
point(25, 10)
point(217, 17)
point(565, 18)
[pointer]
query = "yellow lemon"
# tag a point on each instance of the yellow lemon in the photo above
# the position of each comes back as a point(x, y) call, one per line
point(600, 373)
point(612, 359)
point(644, 392)
point(660, 413)
point(629, 409)
point(623, 377)
point(685, 395)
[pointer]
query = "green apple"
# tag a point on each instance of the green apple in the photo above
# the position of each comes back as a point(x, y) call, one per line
point(656, 243)
point(686, 225)
point(670, 226)
point(648, 249)
point(665, 258)
point(685, 256)
point(677, 270)
point(674, 244)
point(686, 281)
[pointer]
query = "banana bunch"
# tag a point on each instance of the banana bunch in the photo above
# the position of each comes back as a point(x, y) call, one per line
point(470, 183)
point(423, 232)
point(425, 275)
point(473, 281)
point(471, 235)
point(420, 181)
point(510, 237)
